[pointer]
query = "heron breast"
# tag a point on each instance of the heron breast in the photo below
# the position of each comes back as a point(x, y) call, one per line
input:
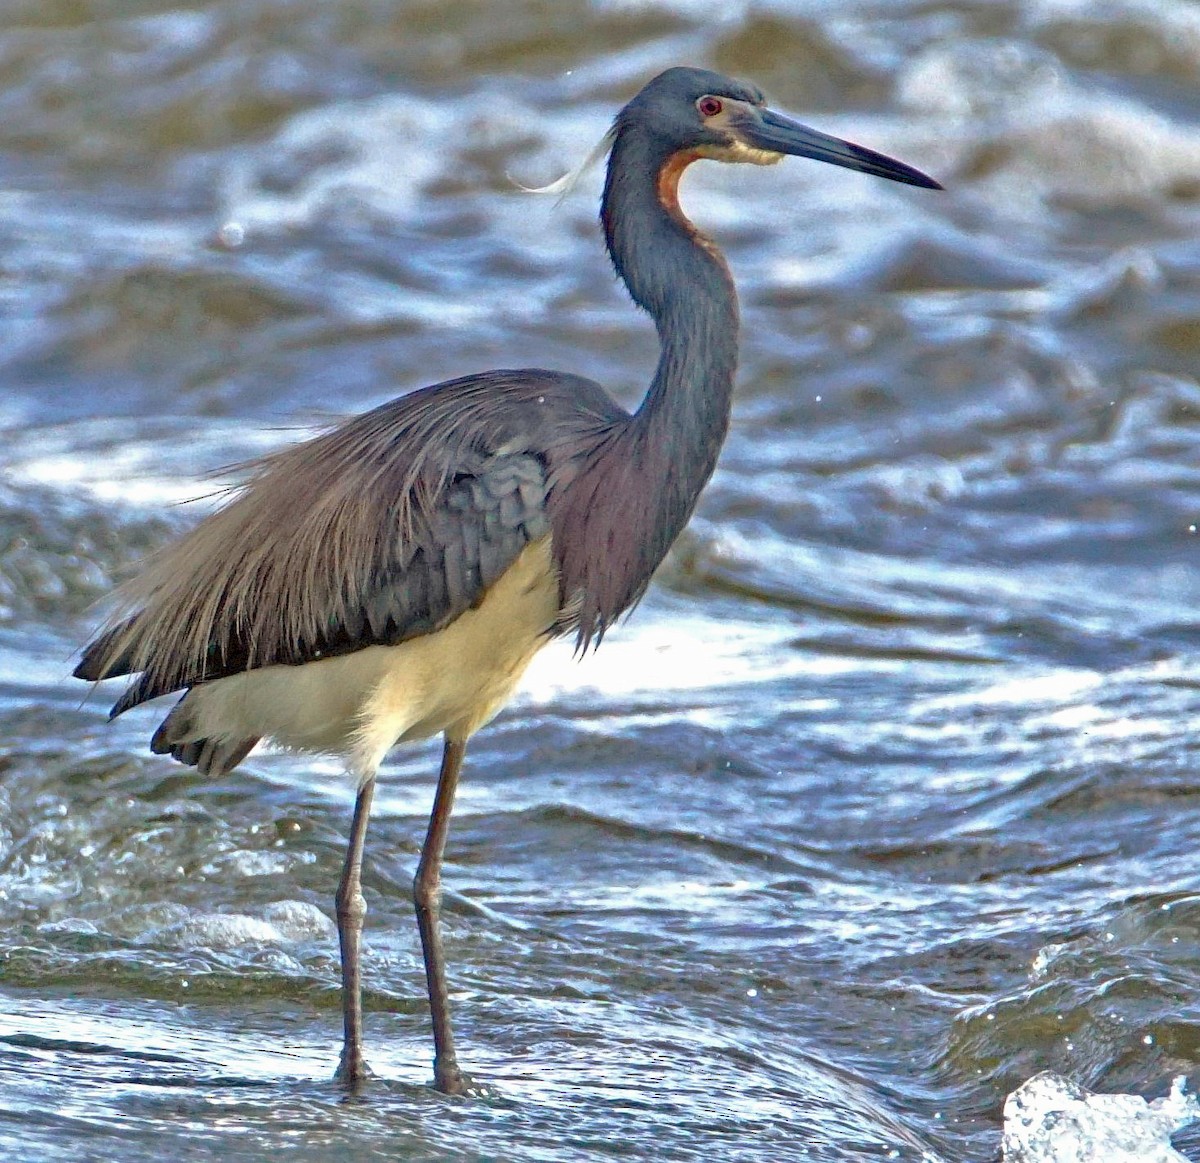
point(456, 679)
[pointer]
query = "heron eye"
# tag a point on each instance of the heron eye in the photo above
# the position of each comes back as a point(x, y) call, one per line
point(709, 106)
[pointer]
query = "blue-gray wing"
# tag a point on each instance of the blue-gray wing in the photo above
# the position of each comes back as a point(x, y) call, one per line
point(385, 528)
point(489, 511)
point(429, 563)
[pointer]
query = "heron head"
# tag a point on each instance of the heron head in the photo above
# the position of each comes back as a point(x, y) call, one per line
point(699, 113)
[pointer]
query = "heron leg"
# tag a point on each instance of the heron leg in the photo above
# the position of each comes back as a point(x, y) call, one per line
point(352, 1070)
point(427, 896)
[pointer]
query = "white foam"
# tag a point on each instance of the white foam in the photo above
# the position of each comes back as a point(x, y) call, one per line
point(1053, 137)
point(1050, 1119)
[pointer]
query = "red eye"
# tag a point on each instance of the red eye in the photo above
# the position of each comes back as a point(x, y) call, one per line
point(709, 106)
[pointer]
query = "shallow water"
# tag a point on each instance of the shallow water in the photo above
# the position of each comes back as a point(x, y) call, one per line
point(887, 797)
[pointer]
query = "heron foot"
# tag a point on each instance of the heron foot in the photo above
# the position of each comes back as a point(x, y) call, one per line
point(449, 1079)
point(353, 1073)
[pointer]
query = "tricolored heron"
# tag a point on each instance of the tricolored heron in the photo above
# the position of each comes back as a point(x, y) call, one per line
point(392, 578)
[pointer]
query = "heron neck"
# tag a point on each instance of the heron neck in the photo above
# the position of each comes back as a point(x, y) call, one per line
point(679, 277)
point(636, 484)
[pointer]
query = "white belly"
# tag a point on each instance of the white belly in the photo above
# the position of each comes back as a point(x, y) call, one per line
point(358, 705)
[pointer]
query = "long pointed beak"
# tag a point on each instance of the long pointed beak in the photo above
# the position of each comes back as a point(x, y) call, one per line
point(772, 131)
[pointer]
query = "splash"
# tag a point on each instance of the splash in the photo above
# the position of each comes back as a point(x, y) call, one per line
point(1050, 1119)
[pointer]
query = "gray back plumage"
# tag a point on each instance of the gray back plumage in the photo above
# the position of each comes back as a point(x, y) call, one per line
point(381, 530)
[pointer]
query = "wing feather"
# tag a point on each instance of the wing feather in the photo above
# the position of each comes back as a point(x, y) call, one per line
point(282, 576)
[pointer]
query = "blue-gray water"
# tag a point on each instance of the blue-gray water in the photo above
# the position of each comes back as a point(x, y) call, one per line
point(886, 798)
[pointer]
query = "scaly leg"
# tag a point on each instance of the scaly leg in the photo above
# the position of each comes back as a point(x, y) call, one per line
point(427, 897)
point(352, 1071)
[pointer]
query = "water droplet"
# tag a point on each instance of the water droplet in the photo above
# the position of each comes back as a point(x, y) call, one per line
point(231, 234)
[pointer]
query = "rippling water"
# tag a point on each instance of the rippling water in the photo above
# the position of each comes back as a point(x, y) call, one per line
point(887, 798)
